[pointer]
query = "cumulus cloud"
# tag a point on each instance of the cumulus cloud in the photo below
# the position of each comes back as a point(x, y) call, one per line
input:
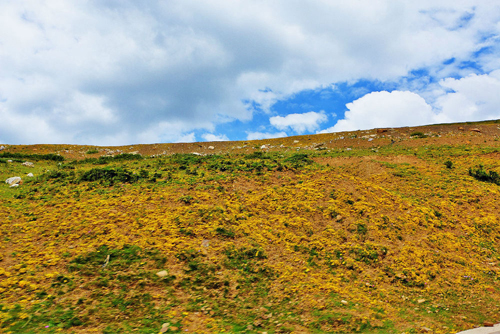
point(472, 98)
point(385, 109)
point(123, 72)
point(265, 135)
point(212, 137)
point(299, 123)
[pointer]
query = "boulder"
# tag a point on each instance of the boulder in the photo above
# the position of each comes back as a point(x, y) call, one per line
point(28, 164)
point(13, 180)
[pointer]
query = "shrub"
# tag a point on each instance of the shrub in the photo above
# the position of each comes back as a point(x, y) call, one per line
point(109, 174)
point(448, 164)
point(481, 175)
point(418, 134)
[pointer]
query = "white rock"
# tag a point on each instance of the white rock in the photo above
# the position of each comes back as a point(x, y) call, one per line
point(2, 148)
point(14, 185)
point(211, 148)
point(28, 164)
point(345, 302)
point(295, 141)
point(29, 175)
point(9, 160)
point(13, 180)
point(162, 273)
point(263, 147)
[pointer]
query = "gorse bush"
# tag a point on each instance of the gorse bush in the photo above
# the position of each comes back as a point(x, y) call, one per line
point(110, 175)
point(49, 157)
point(418, 134)
point(482, 175)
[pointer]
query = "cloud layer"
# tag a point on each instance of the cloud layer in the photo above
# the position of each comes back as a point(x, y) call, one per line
point(107, 72)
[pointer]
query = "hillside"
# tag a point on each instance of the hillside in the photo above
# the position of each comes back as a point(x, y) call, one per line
point(379, 231)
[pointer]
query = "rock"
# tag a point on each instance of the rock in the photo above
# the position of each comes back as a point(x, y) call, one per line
point(249, 327)
point(488, 324)
point(9, 160)
point(345, 302)
point(475, 130)
point(257, 323)
point(14, 185)
point(461, 128)
point(425, 330)
point(264, 147)
point(29, 175)
point(382, 130)
point(196, 153)
point(164, 327)
point(420, 301)
point(2, 148)
point(211, 148)
point(295, 141)
point(28, 164)
point(162, 273)
point(370, 139)
point(205, 243)
point(348, 149)
point(13, 180)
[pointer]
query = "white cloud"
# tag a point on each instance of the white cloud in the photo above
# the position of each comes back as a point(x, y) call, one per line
point(384, 109)
point(265, 135)
point(186, 138)
point(473, 98)
point(299, 123)
point(112, 71)
point(212, 137)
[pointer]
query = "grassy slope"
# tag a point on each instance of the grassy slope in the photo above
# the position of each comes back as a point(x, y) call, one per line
point(374, 236)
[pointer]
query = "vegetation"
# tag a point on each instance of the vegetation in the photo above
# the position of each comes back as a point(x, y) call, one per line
point(387, 238)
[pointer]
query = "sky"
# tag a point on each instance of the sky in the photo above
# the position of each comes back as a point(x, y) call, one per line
point(118, 72)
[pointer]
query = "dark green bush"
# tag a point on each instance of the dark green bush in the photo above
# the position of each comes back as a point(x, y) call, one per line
point(418, 134)
point(109, 174)
point(482, 175)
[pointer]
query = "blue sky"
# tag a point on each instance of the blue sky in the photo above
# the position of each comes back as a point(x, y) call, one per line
point(123, 72)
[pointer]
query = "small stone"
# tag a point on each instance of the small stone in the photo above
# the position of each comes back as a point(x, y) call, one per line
point(13, 180)
point(29, 175)
point(9, 160)
point(345, 302)
point(249, 327)
point(28, 164)
point(263, 147)
point(420, 301)
point(488, 324)
point(162, 273)
point(257, 323)
point(426, 330)
point(205, 243)
point(461, 128)
point(2, 148)
point(475, 130)
point(14, 185)
point(295, 141)
point(211, 148)
point(164, 327)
